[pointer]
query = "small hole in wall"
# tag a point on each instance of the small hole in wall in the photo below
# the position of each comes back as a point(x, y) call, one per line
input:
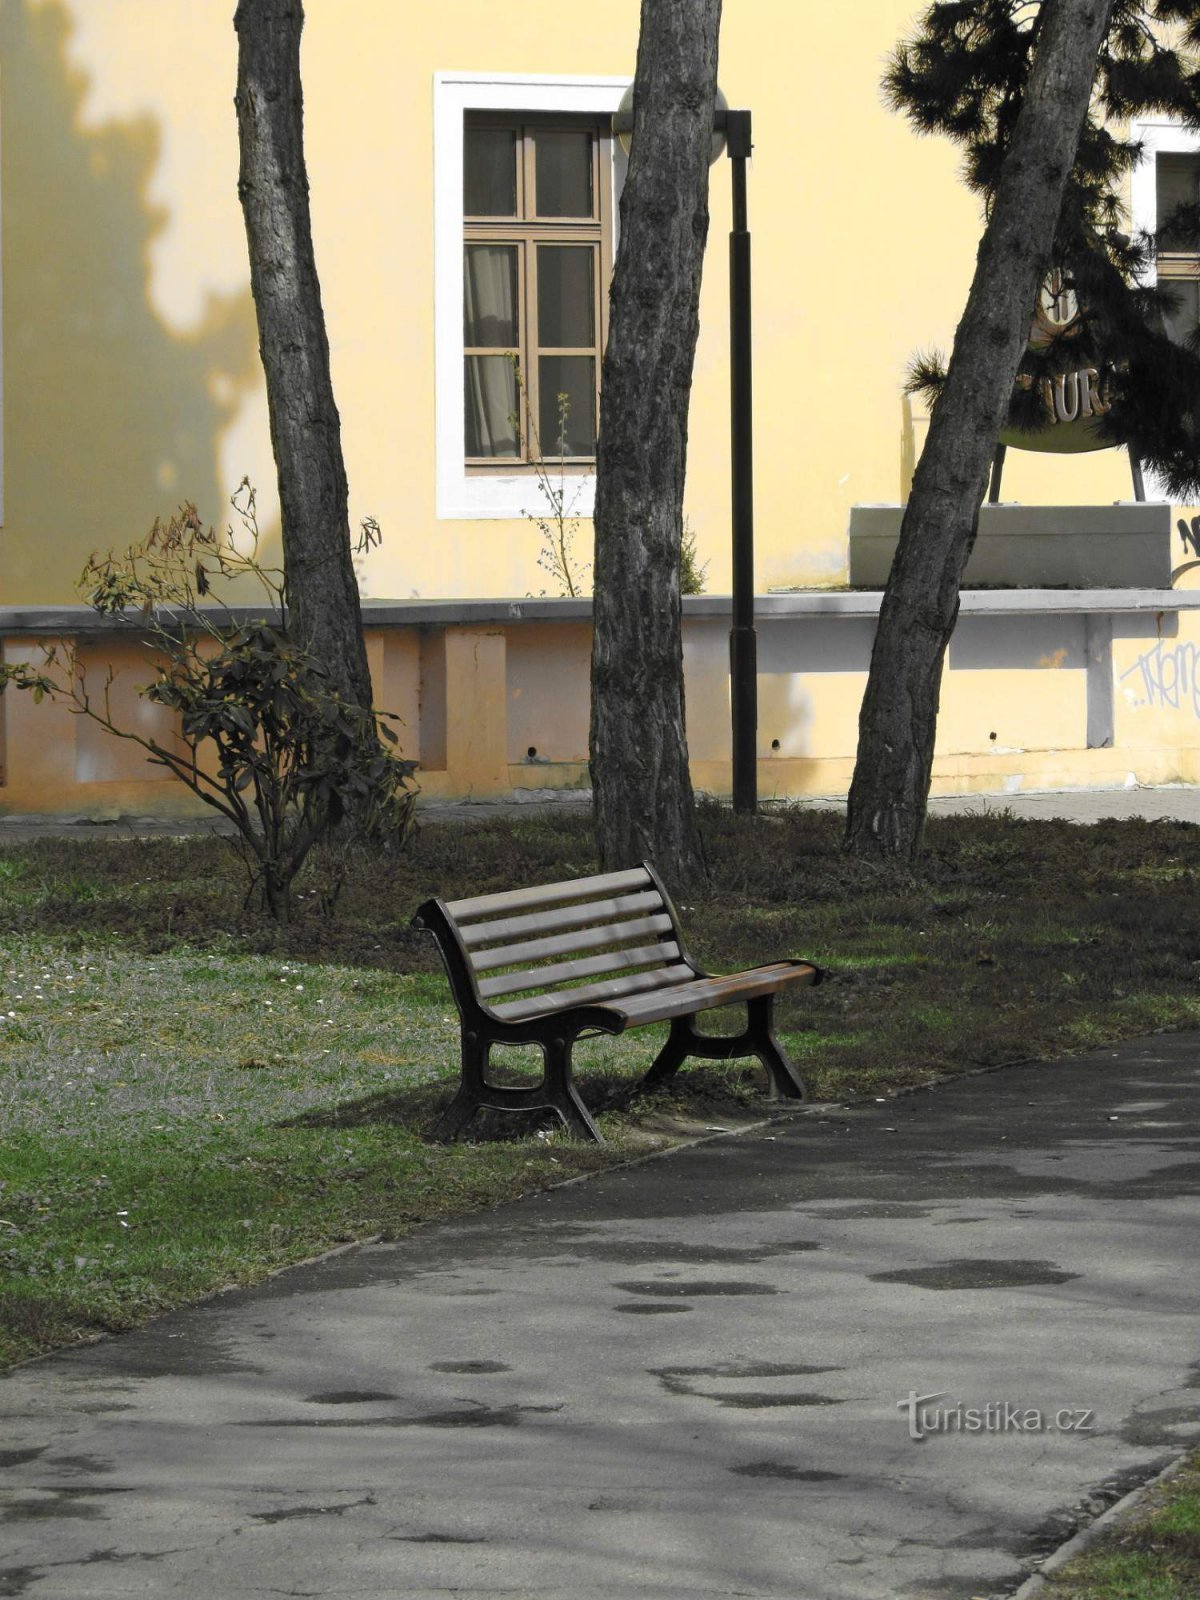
point(992, 737)
point(531, 753)
point(774, 744)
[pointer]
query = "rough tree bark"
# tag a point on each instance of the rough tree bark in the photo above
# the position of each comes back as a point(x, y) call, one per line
point(305, 426)
point(639, 765)
point(898, 721)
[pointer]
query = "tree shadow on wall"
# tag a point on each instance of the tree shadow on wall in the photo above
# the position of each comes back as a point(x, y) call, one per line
point(110, 416)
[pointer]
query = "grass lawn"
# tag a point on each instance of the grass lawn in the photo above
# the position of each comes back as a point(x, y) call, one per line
point(1151, 1554)
point(191, 1096)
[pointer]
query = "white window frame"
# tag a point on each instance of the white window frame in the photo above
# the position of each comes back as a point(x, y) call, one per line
point(1157, 136)
point(463, 496)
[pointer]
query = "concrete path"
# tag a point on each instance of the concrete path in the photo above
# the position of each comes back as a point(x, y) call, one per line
point(1179, 802)
point(1175, 802)
point(681, 1379)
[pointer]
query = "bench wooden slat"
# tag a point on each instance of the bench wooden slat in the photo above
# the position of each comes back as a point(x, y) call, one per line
point(563, 917)
point(563, 944)
point(549, 894)
point(704, 994)
point(594, 993)
point(544, 977)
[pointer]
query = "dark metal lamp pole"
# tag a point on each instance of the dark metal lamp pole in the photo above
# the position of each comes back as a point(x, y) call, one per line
point(743, 643)
point(732, 128)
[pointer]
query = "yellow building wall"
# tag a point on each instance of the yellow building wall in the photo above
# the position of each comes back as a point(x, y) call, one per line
point(131, 374)
point(1156, 699)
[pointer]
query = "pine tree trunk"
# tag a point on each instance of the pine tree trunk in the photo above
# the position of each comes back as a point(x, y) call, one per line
point(898, 721)
point(305, 426)
point(639, 764)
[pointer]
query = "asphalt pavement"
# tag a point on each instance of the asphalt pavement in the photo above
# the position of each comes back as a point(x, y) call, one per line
point(901, 1349)
point(1172, 801)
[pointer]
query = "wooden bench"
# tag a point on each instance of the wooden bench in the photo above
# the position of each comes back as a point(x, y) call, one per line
point(553, 964)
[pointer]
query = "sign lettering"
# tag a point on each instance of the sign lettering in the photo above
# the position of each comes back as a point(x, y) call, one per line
point(1073, 399)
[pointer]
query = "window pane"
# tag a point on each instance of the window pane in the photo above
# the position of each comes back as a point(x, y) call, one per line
point(564, 173)
point(1177, 181)
point(492, 408)
point(566, 295)
point(1184, 316)
point(490, 295)
point(573, 378)
point(489, 172)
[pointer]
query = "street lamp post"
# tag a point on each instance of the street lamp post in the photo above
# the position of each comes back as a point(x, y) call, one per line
point(743, 643)
point(731, 132)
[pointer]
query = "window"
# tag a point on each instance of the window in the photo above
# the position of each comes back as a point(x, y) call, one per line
point(535, 270)
point(525, 182)
point(1177, 183)
point(1166, 177)
point(1167, 173)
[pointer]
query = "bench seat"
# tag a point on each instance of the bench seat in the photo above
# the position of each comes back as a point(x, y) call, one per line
point(620, 933)
point(681, 994)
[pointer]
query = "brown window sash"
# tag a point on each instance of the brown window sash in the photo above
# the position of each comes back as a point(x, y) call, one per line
point(527, 230)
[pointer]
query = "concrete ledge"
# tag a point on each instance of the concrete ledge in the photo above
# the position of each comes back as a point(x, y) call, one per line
point(79, 621)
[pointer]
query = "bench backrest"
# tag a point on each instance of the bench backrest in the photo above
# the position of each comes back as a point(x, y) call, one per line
point(581, 942)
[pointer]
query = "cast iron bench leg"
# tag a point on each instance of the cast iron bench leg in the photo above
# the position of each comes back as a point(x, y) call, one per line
point(450, 1125)
point(786, 1082)
point(758, 1039)
point(470, 1091)
point(674, 1053)
point(556, 1093)
point(561, 1094)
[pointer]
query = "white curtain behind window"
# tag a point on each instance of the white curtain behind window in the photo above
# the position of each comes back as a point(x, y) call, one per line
point(490, 319)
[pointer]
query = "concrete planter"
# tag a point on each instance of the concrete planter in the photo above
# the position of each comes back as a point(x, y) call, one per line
point(1079, 547)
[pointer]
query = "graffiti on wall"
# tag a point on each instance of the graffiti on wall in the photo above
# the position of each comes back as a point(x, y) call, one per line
point(1167, 675)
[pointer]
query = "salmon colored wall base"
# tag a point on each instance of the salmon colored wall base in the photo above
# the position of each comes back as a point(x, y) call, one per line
point(1044, 699)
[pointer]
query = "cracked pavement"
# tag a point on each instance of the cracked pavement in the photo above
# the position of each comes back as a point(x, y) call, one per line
point(683, 1378)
